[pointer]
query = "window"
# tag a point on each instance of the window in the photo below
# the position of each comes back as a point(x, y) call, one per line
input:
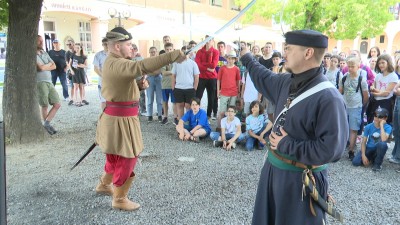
point(233, 6)
point(382, 39)
point(85, 36)
point(49, 26)
point(216, 2)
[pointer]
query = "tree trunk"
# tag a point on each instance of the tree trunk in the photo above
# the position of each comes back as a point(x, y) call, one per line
point(20, 105)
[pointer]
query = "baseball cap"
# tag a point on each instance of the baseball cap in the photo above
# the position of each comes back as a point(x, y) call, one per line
point(381, 112)
point(232, 54)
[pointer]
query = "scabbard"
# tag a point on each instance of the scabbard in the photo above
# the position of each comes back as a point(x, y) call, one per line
point(328, 208)
point(84, 155)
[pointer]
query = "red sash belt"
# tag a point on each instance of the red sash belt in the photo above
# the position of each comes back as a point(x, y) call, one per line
point(122, 108)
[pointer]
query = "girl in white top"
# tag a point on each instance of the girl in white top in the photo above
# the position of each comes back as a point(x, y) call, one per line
point(382, 88)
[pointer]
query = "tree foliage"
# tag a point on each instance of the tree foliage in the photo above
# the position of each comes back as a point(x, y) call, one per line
point(337, 18)
point(3, 14)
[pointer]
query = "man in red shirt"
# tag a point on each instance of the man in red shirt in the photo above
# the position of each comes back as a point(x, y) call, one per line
point(207, 59)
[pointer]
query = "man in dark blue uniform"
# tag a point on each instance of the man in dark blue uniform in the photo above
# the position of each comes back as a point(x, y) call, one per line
point(309, 134)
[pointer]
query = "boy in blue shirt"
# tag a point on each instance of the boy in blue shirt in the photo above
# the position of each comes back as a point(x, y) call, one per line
point(194, 124)
point(374, 143)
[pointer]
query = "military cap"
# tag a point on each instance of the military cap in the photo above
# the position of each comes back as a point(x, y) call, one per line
point(118, 34)
point(307, 38)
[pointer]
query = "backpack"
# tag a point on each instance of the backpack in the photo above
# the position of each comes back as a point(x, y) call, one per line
point(337, 79)
point(358, 85)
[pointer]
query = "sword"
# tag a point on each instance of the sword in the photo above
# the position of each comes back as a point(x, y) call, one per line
point(308, 180)
point(230, 22)
point(84, 155)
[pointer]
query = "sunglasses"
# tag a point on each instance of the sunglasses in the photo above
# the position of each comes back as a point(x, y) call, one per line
point(380, 116)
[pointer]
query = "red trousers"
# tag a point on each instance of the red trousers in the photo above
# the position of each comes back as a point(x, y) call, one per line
point(121, 168)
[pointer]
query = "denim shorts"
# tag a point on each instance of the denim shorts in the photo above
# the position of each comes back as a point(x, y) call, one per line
point(354, 116)
point(165, 95)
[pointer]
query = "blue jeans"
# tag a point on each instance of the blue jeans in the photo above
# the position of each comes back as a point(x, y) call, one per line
point(251, 141)
point(374, 154)
point(154, 86)
point(63, 80)
point(215, 135)
point(396, 131)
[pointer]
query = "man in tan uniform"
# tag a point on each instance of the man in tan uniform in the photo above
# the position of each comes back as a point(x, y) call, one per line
point(118, 130)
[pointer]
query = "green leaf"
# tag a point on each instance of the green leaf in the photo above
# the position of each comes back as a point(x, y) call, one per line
point(337, 18)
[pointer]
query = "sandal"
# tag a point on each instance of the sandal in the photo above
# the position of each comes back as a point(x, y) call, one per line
point(78, 104)
point(195, 139)
point(70, 102)
point(85, 102)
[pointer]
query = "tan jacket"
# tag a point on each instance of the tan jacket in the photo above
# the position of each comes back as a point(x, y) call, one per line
point(122, 135)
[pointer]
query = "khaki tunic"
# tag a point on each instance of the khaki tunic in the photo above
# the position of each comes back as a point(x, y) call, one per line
point(122, 135)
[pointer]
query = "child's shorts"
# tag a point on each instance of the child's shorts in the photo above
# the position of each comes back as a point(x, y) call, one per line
point(225, 101)
point(354, 116)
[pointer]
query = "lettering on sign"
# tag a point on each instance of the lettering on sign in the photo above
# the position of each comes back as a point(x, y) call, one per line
point(70, 7)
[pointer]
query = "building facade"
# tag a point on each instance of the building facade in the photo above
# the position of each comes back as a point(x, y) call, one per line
point(87, 22)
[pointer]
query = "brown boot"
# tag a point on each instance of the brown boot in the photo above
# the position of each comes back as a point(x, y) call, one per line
point(120, 197)
point(105, 186)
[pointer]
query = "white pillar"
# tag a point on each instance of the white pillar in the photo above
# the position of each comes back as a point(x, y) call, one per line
point(372, 42)
point(41, 27)
point(99, 30)
point(356, 45)
point(389, 45)
point(339, 45)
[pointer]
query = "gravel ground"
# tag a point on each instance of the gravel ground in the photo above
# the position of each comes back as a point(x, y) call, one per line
point(177, 183)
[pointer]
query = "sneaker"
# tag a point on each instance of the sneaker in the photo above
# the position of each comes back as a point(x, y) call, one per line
point(351, 155)
point(165, 120)
point(176, 121)
point(85, 102)
point(49, 129)
point(218, 144)
point(143, 113)
point(149, 118)
point(66, 99)
point(233, 145)
point(52, 129)
point(160, 119)
point(376, 168)
point(394, 160)
point(70, 102)
point(214, 117)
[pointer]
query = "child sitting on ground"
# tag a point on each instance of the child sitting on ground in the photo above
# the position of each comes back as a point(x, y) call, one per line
point(374, 142)
point(231, 131)
point(257, 126)
point(194, 124)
